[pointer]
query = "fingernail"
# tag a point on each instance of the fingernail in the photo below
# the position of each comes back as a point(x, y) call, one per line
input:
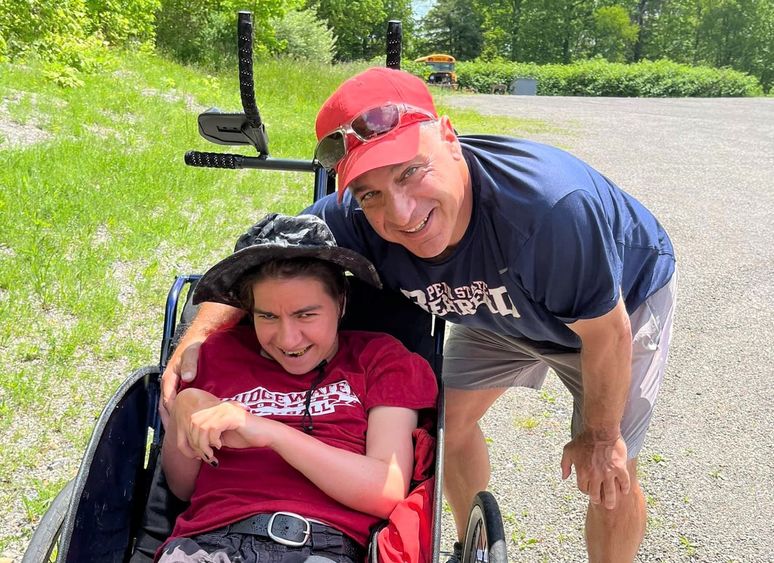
point(214, 463)
point(187, 376)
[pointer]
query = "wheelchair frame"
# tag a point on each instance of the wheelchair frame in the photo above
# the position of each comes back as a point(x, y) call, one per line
point(67, 530)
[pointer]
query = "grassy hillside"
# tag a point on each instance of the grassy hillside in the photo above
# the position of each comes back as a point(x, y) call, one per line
point(98, 213)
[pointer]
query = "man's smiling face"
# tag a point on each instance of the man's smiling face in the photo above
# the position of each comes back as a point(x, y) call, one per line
point(423, 204)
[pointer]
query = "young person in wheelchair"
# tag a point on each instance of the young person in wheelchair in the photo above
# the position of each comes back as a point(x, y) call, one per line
point(295, 438)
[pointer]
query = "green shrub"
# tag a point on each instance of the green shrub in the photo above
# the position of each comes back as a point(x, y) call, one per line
point(302, 35)
point(201, 31)
point(419, 69)
point(125, 22)
point(72, 36)
point(3, 48)
point(597, 77)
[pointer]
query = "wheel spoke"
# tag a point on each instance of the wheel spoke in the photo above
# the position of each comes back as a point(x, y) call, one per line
point(481, 544)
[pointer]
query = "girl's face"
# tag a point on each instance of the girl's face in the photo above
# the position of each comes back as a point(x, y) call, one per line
point(296, 322)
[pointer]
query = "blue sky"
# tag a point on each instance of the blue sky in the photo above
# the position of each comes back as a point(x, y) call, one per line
point(421, 7)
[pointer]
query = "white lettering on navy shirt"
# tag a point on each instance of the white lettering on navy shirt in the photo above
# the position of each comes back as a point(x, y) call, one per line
point(441, 299)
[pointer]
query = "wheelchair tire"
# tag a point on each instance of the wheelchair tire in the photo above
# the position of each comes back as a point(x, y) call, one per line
point(484, 536)
point(41, 548)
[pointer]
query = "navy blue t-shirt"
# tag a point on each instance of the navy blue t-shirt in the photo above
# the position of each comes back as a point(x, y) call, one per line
point(550, 241)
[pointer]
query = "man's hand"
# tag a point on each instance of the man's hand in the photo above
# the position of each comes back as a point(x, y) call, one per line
point(600, 467)
point(599, 453)
point(182, 365)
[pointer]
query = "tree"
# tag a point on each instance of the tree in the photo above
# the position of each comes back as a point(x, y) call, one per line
point(501, 21)
point(614, 34)
point(360, 25)
point(301, 35)
point(667, 30)
point(738, 34)
point(551, 31)
point(761, 57)
point(454, 27)
point(397, 10)
point(203, 31)
point(642, 16)
point(722, 33)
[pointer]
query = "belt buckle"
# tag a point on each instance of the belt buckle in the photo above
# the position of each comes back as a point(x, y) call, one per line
point(285, 541)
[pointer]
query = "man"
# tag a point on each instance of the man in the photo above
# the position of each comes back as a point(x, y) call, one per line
point(538, 261)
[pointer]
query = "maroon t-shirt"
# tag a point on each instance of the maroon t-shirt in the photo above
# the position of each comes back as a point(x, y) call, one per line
point(369, 370)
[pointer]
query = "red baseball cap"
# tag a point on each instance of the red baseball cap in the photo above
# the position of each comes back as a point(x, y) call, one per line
point(370, 89)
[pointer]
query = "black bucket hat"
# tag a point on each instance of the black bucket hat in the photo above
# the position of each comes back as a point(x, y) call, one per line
point(274, 237)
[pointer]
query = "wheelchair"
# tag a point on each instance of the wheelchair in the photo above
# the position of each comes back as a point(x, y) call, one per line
point(118, 508)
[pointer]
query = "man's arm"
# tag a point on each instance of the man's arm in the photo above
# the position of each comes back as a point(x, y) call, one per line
point(182, 365)
point(599, 452)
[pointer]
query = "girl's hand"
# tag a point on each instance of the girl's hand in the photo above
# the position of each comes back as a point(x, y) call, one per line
point(186, 404)
point(205, 422)
point(207, 427)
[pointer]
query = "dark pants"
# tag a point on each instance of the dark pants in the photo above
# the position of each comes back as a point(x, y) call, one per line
point(161, 510)
point(220, 546)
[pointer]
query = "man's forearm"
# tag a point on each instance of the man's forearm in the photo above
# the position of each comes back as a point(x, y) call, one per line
point(606, 368)
point(212, 317)
point(606, 372)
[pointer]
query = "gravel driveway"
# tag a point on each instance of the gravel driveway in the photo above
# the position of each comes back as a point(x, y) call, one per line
point(706, 169)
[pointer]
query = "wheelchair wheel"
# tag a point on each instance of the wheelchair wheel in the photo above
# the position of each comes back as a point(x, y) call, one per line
point(484, 537)
point(42, 546)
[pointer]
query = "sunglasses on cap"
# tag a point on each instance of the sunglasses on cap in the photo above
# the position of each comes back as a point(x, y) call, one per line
point(367, 126)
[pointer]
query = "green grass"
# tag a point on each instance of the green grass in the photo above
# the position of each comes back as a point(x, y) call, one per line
point(688, 546)
point(97, 219)
point(522, 541)
point(526, 423)
point(41, 497)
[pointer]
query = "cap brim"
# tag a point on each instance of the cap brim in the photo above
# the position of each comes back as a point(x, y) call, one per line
point(219, 283)
point(397, 146)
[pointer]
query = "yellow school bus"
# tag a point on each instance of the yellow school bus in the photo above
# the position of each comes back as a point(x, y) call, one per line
point(442, 69)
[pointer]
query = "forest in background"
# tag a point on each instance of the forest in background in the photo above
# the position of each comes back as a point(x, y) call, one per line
point(72, 36)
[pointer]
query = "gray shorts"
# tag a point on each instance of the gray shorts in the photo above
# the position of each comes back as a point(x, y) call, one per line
point(481, 359)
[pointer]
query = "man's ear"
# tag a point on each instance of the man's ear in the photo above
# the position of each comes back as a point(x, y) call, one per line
point(447, 129)
point(449, 135)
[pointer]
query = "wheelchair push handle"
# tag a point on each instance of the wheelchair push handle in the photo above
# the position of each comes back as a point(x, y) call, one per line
point(394, 41)
point(237, 161)
point(213, 159)
point(246, 81)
